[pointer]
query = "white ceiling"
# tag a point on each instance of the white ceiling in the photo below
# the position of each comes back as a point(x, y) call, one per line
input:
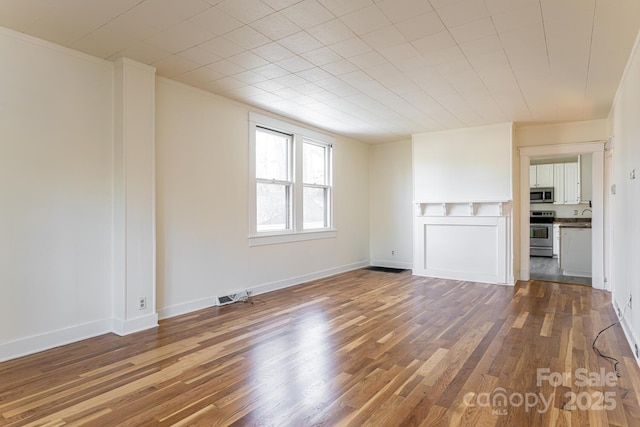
point(376, 70)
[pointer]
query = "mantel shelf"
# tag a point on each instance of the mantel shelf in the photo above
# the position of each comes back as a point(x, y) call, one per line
point(463, 208)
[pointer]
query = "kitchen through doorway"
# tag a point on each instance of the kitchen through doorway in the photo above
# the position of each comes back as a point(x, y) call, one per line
point(560, 219)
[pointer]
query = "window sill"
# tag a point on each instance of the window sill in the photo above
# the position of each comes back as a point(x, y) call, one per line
point(274, 239)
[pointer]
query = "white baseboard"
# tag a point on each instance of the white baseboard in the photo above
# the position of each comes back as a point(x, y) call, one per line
point(186, 307)
point(628, 333)
point(49, 340)
point(391, 264)
point(281, 284)
point(126, 327)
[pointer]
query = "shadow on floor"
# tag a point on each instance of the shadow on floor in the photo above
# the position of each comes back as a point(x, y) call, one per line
point(543, 268)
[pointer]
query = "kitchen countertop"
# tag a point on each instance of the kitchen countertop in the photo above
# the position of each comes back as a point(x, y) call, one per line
point(573, 222)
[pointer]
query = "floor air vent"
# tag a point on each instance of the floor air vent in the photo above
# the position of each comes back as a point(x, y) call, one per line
point(386, 269)
point(228, 299)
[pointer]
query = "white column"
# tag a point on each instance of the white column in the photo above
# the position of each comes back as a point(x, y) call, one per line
point(134, 257)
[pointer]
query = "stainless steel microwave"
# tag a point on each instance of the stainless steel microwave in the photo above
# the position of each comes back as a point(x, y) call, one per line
point(541, 195)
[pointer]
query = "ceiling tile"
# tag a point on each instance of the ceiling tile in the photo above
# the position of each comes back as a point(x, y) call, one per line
point(331, 32)
point(269, 85)
point(215, 21)
point(271, 71)
point(222, 47)
point(351, 47)
point(401, 10)
point(280, 4)
point(174, 65)
point(399, 53)
point(366, 20)
point(245, 11)
point(308, 13)
point(435, 42)
point(314, 74)
point(342, 7)
point(225, 84)
point(199, 55)
point(421, 26)
point(104, 43)
point(247, 37)
point(339, 67)
point(384, 37)
point(526, 16)
point(458, 12)
point(273, 52)
point(368, 59)
point(179, 37)
point(249, 77)
point(300, 42)
point(295, 64)
point(226, 67)
point(275, 26)
point(321, 56)
point(248, 60)
point(198, 76)
point(143, 53)
point(473, 30)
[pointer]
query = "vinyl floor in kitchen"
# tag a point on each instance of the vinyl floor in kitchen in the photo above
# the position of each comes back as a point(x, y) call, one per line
point(543, 268)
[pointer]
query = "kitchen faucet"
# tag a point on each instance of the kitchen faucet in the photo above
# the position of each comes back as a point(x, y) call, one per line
point(586, 210)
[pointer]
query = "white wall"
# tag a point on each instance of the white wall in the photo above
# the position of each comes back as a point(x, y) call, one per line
point(391, 205)
point(463, 165)
point(55, 193)
point(625, 225)
point(202, 207)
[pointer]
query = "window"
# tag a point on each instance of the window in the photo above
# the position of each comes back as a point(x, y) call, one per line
point(290, 193)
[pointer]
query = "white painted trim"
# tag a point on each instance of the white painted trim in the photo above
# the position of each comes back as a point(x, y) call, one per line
point(130, 62)
point(281, 284)
point(186, 307)
point(596, 148)
point(138, 324)
point(627, 329)
point(49, 340)
point(391, 264)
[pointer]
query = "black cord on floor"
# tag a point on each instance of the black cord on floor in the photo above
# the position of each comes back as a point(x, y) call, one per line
point(600, 353)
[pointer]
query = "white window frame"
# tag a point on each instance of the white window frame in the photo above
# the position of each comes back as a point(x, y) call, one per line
point(297, 231)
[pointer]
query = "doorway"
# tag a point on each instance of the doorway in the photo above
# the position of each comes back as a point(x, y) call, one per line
point(561, 222)
point(529, 154)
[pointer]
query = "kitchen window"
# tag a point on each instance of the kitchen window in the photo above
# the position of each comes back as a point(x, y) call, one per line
point(291, 185)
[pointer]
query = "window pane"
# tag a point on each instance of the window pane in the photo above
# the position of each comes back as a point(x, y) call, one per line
point(315, 208)
point(314, 167)
point(272, 207)
point(272, 155)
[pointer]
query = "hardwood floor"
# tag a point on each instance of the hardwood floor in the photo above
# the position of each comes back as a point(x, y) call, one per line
point(361, 348)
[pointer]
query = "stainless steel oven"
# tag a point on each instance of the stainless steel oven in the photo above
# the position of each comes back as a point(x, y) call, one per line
point(541, 233)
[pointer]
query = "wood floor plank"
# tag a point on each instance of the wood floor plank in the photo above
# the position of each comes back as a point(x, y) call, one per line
point(360, 348)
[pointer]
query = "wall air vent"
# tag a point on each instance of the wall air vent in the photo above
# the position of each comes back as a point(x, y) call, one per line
point(228, 299)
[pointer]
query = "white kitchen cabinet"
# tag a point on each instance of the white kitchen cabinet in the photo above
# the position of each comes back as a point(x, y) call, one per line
point(566, 183)
point(571, 184)
point(558, 183)
point(575, 251)
point(541, 176)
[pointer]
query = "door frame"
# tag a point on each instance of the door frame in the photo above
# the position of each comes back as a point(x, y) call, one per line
point(596, 148)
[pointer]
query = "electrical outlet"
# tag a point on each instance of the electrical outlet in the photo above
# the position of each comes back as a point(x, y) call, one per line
point(142, 303)
point(637, 352)
point(619, 313)
point(393, 253)
point(632, 174)
point(630, 301)
point(575, 211)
